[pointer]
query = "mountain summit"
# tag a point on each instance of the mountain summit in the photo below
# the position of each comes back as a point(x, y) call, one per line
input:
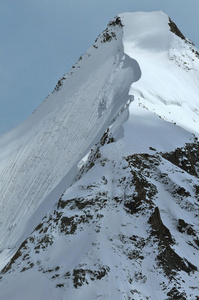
point(99, 186)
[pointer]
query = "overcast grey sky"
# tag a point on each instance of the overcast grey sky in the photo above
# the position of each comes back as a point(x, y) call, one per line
point(41, 39)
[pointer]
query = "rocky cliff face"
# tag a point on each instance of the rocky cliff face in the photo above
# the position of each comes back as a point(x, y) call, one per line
point(125, 229)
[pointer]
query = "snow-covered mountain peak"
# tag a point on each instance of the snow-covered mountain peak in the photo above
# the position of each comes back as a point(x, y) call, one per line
point(146, 32)
point(152, 32)
point(99, 186)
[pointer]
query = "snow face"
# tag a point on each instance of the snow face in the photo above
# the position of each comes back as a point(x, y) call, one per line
point(39, 158)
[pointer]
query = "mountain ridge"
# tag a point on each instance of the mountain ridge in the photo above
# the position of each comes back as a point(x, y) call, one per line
point(44, 157)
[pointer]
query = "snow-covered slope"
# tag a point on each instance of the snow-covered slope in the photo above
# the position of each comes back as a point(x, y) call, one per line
point(42, 153)
point(122, 221)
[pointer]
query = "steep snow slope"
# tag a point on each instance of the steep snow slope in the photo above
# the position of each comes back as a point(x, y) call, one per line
point(44, 150)
point(127, 228)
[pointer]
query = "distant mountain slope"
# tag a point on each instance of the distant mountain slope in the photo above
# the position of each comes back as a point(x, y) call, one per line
point(119, 221)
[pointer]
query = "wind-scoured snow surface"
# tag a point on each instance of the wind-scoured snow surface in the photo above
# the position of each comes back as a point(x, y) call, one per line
point(112, 217)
